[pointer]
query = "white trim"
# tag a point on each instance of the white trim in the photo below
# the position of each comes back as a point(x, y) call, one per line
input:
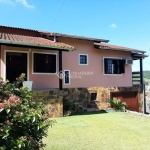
point(104, 67)
point(15, 51)
point(33, 63)
point(64, 78)
point(86, 59)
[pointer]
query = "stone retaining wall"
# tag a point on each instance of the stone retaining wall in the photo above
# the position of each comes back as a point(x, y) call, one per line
point(81, 97)
point(53, 101)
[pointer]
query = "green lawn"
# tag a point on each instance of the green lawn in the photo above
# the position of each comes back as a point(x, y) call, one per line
point(106, 131)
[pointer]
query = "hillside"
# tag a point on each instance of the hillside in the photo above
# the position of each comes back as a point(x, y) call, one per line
point(146, 76)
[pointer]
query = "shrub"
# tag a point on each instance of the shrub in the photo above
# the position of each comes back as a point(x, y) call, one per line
point(69, 107)
point(117, 104)
point(23, 123)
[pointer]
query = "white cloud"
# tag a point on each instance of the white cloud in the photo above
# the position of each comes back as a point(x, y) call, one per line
point(113, 25)
point(7, 2)
point(25, 3)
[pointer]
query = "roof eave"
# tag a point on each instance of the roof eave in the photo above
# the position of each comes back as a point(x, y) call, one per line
point(73, 37)
point(35, 45)
point(97, 45)
point(117, 49)
point(82, 38)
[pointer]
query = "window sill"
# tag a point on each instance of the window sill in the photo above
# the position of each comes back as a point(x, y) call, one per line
point(83, 64)
point(112, 74)
point(45, 73)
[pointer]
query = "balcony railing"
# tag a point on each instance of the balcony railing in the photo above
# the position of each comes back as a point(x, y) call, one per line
point(136, 78)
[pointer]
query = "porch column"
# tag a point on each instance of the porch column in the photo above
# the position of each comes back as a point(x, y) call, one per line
point(142, 83)
point(60, 69)
point(141, 71)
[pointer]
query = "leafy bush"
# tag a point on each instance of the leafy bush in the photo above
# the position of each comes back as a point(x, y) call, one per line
point(117, 104)
point(23, 123)
point(68, 105)
point(69, 108)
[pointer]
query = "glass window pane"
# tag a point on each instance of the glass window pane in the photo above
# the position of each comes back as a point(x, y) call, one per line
point(44, 63)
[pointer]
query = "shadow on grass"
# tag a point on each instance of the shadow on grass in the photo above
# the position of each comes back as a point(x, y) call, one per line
point(89, 113)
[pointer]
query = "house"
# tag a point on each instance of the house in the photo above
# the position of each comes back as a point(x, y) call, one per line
point(61, 61)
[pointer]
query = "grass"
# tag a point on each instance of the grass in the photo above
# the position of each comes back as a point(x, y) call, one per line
point(105, 131)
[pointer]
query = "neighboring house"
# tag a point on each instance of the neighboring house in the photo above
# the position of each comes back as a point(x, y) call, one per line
point(57, 61)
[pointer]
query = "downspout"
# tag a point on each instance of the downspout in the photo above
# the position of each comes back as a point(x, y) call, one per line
point(60, 70)
point(54, 38)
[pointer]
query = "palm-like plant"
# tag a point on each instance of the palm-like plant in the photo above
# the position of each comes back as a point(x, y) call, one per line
point(117, 104)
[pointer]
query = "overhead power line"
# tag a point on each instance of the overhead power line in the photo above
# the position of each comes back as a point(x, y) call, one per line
point(57, 14)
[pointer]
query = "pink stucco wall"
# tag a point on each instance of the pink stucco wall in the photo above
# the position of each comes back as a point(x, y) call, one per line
point(40, 81)
point(95, 65)
point(70, 62)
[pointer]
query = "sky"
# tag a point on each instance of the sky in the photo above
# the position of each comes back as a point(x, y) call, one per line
point(123, 22)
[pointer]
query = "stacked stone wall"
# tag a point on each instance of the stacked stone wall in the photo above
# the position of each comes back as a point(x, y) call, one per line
point(81, 97)
point(53, 101)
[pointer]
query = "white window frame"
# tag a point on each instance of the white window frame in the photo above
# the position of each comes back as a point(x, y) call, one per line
point(64, 78)
point(86, 59)
point(16, 51)
point(33, 63)
point(104, 67)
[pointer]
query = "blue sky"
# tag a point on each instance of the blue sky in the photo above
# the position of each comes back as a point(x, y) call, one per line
point(123, 22)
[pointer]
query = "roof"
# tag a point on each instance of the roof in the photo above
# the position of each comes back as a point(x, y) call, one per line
point(40, 39)
point(17, 28)
point(61, 34)
point(32, 41)
point(117, 48)
point(73, 36)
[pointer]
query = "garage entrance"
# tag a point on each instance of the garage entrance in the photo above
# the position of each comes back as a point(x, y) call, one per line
point(130, 98)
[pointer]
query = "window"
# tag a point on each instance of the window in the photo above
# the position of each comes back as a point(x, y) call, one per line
point(83, 59)
point(44, 63)
point(93, 96)
point(114, 66)
point(67, 77)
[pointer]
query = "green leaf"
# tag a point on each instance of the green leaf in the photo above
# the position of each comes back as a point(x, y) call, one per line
point(22, 120)
point(5, 136)
point(33, 119)
point(1, 109)
point(19, 145)
point(38, 128)
point(7, 110)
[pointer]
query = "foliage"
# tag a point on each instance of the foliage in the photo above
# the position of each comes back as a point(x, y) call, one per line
point(146, 75)
point(117, 104)
point(23, 123)
point(69, 107)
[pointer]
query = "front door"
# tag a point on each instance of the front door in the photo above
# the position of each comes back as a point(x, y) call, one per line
point(16, 63)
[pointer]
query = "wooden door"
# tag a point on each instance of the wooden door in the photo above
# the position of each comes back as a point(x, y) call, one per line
point(16, 63)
